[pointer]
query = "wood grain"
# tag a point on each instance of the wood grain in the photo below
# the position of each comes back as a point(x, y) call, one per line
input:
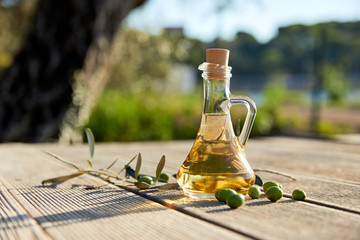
point(270, 153)
point(326, 159)
point(68, 211)
point(286, 219)
point(15, 221)
point(327, 171)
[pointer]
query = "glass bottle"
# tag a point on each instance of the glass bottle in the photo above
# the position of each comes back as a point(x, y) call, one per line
point(217, 158)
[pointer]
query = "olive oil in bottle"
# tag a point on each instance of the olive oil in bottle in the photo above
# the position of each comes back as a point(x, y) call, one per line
point(216, 161)
point(217, 158)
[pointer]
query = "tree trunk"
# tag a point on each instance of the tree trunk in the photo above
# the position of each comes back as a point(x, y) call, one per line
point(41, 86)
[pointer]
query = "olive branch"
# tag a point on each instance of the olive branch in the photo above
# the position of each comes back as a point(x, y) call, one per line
point(109, 175)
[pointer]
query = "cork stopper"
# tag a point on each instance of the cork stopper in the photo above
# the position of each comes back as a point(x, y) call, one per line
point(218, 56)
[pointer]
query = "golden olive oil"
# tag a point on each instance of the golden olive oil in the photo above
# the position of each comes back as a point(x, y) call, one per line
point(216, 160)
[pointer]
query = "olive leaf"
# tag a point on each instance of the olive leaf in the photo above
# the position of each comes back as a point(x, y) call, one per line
point(160, 167)
point(90, 163)
point(126, 165)
point(91, 141)
point(62, 160)
point(130, 172)
point(63, 178)
point(112, 164)
point(142, 185)
point(258, 180)
point(138, 166)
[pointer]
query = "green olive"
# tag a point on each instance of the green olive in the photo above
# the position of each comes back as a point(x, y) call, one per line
point(267, 185)
point(235, 200)
point(217, 195)
point(254, 192)
point(164, 176)
point(274, 193)
point(146, 179)
point(223, 194)
point(299, 195)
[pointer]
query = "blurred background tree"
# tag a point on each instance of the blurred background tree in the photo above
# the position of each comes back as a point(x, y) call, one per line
point(43, 92)
point(305, 79)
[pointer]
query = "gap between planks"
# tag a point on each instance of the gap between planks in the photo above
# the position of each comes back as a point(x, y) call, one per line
point(325, 204)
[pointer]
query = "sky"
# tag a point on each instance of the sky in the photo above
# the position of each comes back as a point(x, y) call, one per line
point(208, 19)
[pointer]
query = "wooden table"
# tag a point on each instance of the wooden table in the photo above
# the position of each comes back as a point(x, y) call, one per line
point(328, 171)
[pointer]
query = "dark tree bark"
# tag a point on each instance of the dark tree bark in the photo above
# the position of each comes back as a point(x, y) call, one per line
point(37, 90)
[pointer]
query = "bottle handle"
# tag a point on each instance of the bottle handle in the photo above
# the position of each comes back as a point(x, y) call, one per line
point(250, 117)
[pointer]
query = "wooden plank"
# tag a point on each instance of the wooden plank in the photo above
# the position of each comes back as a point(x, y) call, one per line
point(68, 211)
point(330, 160)
point(306, 144)
point(15, 222)
point(269, 153)
point(286, 219)
point(343, 195)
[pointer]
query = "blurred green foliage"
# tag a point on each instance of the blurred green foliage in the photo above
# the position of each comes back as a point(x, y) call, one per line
point(142, 103)
point(124, 116)
point(271, 118)
point(336, 84)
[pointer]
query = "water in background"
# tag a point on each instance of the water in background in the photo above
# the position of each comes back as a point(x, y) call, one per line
point(253, 86)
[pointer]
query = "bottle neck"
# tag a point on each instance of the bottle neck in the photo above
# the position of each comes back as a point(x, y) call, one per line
point(216, 88)
point(216, 96)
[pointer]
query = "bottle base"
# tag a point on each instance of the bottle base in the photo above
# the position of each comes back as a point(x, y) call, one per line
point(205, 186)
point(200, 195)
point(210, 196)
